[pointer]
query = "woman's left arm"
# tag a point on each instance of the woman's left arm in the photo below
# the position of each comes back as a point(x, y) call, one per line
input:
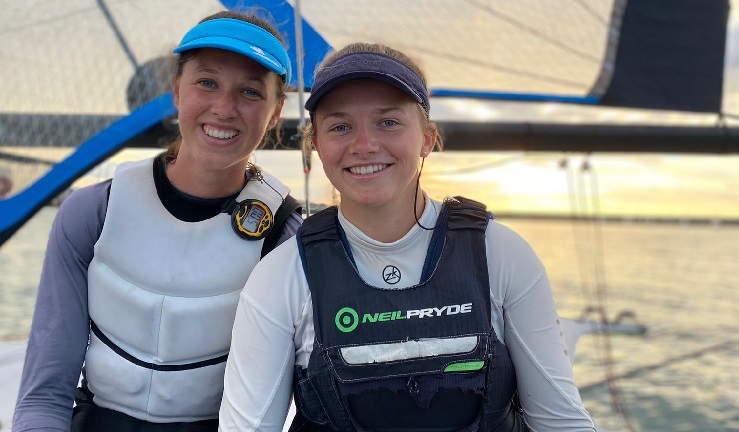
point(259, 370)
point(521, 290)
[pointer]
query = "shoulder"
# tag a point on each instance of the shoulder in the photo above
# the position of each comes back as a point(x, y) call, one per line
point(284, 256)
point(138, 166)
point(277, 285)
point(513, 266)
point(502, 240)
point(90, 200)
point(80, 217)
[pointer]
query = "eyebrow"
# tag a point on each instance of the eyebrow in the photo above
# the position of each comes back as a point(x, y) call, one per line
point(258, 78)
point(387, 110)
point(380, 111)
point(205, 69)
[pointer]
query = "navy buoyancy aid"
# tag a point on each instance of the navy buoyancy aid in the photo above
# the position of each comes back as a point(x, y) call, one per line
point(422, 358)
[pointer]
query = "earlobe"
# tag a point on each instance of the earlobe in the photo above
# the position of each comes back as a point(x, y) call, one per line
point(314, 143)
point(429, 140)
point(276, 115)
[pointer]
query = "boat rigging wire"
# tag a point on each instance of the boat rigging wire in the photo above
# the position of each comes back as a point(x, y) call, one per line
point(476, 62)
point(118, 34)
point(306, 152)
point(591, 12)
point(533, 31)
point(25, 159)
point(584, 204)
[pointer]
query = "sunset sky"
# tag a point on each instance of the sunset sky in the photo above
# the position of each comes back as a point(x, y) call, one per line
point(619, 184)
point(628, 185)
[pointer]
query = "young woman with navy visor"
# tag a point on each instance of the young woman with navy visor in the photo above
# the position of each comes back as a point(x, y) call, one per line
point(395, 312)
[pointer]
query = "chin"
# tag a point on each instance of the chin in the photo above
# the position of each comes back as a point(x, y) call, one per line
point(370, 202)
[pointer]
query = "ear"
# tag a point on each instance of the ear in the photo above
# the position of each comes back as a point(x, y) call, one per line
point(276, 114)
point(314, 143)
point(176, 92)
point(429, 140)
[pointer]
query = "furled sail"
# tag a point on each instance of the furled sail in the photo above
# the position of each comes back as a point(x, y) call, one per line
point(669, 55)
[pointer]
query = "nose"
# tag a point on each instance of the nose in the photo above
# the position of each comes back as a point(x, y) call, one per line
point(365, 140)
point(224, 105)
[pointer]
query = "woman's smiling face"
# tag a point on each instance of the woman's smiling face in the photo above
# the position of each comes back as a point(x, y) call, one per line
point(370, 137)
point(226, 103)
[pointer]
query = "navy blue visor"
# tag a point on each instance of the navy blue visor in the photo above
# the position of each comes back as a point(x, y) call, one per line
point(368, 65)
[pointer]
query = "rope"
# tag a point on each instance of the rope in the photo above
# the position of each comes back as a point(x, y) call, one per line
point(582, 203)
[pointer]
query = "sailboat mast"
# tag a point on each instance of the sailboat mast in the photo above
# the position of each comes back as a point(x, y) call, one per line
point(306, 152)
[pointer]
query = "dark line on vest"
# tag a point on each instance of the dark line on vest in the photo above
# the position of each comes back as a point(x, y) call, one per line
point(153, 366)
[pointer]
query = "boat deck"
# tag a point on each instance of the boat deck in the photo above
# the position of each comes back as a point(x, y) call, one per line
point(11, 366)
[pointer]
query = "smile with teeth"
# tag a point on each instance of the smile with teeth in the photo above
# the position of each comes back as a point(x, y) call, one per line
point(218, 133)
point(367, 169)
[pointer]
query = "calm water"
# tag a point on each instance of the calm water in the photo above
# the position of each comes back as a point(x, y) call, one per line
point(681, 281)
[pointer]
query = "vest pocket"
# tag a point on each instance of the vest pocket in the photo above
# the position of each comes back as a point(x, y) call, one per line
point(307, 401)
point(439, 403)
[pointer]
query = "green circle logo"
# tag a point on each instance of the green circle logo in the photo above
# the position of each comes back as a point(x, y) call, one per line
point(346, 319)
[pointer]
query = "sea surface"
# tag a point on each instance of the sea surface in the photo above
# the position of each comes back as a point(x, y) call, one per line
point(680, 280)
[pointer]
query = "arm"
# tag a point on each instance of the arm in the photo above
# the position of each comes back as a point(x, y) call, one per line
point(549, 396)
point(258, 379)
point(60, 329)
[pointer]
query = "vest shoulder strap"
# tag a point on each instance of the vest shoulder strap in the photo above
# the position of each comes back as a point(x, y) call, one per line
point(465, 213)
point(288, 206)
point(318, 227)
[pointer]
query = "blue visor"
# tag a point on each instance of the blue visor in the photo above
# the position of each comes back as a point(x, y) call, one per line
point(240, 37)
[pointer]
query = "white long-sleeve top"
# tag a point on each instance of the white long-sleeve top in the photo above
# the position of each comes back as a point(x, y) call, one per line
point(273, 329)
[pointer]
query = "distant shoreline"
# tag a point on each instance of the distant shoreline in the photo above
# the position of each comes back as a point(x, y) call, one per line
point(674, 220)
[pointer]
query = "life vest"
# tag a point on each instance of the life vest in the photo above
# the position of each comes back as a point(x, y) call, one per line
point(162, 297)
point(412, 359)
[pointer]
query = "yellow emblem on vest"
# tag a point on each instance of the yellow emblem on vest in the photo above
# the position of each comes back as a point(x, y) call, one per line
point(252, 219)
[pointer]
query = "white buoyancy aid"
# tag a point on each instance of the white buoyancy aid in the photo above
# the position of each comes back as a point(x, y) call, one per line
point(165, 292)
